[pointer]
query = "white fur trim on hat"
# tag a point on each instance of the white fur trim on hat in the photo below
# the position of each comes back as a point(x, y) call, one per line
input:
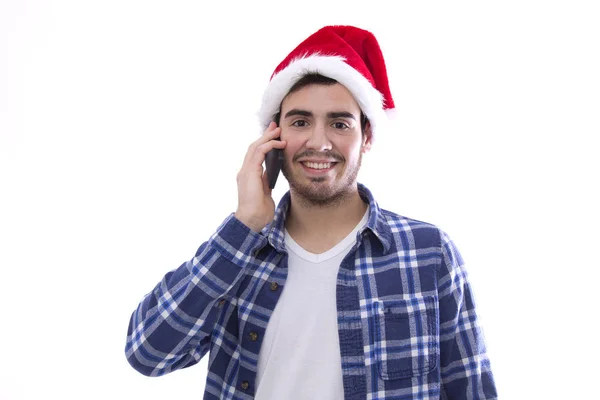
point(369, 99)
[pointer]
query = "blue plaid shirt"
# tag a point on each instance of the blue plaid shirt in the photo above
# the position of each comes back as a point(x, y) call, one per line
point(406, 318)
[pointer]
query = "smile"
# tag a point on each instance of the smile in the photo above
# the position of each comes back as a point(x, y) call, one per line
point(318, 168)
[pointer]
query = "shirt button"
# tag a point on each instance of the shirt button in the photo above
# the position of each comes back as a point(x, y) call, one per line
point(221, 302)
point(274, 286)
point(253, 336)
point(244, 385)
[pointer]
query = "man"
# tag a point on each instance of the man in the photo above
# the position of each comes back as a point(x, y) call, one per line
point(326, 296)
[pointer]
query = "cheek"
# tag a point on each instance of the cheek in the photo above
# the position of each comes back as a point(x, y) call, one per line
point(348, 149)
point(291, 149)
point(356, 147)
point(292, 146)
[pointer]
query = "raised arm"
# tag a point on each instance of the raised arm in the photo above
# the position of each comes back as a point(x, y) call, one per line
point(172, 325)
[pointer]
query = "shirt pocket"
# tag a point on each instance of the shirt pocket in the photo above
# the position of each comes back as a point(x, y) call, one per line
point(406, 337)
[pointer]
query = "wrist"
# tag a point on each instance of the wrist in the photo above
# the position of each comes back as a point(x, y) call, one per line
point(250, 222)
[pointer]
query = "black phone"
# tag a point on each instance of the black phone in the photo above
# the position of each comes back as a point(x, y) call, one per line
point(273, 164)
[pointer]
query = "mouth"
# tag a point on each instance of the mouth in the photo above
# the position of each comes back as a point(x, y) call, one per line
point(318, 168)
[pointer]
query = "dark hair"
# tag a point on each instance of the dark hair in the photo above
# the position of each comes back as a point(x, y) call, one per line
point(314, 78)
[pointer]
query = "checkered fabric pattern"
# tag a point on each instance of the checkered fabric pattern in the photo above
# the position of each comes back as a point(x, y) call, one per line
point(407, 323)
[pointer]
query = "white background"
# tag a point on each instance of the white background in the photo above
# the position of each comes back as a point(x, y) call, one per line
point(123, 125)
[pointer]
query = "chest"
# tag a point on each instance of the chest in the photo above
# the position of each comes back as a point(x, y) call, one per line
point(385, 307)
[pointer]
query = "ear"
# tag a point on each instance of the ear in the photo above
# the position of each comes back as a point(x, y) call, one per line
point(367, 138)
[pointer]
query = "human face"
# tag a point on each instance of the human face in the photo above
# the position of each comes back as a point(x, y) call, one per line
point(321, 123)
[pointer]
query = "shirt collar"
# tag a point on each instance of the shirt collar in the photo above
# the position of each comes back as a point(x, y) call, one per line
point(376, 223)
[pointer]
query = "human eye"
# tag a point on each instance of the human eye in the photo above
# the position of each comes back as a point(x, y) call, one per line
point(300, 123)
point(340, 125)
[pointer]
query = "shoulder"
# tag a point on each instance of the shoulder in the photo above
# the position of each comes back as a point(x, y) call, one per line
point(424, 234)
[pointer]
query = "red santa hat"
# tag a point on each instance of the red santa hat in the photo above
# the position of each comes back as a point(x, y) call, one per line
point(347, 54)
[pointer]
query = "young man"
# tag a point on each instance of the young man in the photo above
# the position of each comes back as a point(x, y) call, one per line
point(326, 296)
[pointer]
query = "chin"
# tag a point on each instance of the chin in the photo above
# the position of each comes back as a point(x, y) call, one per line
point(319, 191)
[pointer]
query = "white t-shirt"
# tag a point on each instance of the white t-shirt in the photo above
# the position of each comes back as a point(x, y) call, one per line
point(300, 355)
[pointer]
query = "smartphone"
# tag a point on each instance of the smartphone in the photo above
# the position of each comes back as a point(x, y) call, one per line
point(273, 164)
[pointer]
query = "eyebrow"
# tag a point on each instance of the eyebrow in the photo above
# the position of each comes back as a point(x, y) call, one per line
point(330, 115)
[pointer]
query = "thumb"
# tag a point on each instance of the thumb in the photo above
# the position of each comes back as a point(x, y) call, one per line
point(265, 182)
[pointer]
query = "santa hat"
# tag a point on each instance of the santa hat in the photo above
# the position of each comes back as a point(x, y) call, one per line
point(347, 54)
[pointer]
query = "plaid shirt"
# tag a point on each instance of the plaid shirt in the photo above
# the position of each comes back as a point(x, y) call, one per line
point(406, 318)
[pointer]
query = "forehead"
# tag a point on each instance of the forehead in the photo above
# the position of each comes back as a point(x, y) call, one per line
point(321, 98)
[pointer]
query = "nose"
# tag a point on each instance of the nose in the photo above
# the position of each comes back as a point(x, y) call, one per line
point(318, 139)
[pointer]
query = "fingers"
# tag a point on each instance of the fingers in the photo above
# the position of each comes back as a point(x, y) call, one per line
point(261, 151)
point(259, 148)
point(270, 133)
point(265, 182)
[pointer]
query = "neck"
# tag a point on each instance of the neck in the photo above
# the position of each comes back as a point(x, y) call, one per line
point(338, 218)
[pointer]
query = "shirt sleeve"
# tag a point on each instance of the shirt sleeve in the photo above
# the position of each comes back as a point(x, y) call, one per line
point(465, 367)
point(171, 327)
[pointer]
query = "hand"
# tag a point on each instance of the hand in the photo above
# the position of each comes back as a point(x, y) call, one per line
point(256, 207)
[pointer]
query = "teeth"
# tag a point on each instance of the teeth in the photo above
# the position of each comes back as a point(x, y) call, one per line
point(318, 165)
